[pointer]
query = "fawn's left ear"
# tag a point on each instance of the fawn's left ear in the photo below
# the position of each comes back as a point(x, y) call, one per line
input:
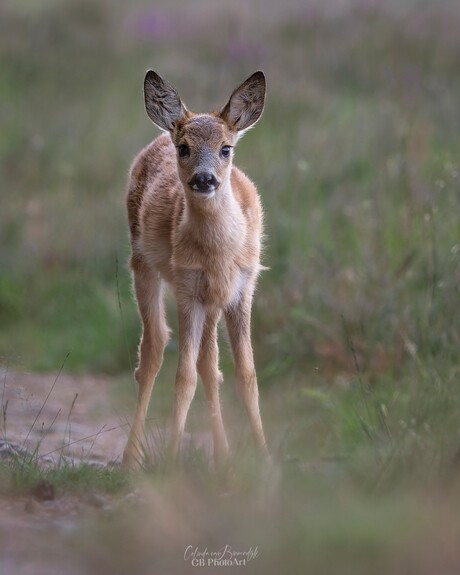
point(246, 104)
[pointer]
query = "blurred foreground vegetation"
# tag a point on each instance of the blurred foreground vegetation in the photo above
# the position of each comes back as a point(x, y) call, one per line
point(356, 324)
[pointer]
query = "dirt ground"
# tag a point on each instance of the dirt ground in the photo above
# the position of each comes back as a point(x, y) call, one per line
point(63, 415)
point(60, 417)
point(53, 416)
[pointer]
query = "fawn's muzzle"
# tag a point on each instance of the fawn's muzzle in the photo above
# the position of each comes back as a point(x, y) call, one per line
point(203, 182)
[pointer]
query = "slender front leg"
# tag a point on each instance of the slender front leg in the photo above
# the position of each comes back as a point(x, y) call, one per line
point(238, 319)
point(191, 320)
point(208, 368)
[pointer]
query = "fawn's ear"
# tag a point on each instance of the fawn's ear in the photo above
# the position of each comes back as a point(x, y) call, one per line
point(162, 102)
point(246, 104)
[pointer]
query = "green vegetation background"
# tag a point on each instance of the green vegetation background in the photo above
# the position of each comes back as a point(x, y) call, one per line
point(356, 324)
point(356, 160)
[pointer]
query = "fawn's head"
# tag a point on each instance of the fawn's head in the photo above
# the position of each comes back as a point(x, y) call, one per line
point(204, 142)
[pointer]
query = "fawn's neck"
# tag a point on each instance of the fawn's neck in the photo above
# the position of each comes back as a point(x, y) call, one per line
point(215, 220)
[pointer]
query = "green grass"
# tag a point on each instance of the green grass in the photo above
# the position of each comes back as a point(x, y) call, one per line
point(355, 330)
point(22, 475)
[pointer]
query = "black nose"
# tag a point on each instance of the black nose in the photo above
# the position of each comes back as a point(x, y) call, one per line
point(203, 182)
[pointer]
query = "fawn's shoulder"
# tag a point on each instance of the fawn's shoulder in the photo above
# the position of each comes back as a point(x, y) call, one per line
point(155, 158)
point(153, 183)
point(247, 197)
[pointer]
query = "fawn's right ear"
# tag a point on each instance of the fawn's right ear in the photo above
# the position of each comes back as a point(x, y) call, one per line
point(162, 102)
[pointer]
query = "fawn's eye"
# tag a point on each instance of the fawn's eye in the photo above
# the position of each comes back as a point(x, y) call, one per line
point(183, 150)
point(225, 151)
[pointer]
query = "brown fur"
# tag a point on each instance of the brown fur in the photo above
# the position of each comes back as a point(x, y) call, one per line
point(206, 245)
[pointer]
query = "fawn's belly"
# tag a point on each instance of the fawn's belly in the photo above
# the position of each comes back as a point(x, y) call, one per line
point(221, 288)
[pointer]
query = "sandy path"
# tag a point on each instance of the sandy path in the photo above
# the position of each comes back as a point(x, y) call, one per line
point(62, 414)
point(75, 417)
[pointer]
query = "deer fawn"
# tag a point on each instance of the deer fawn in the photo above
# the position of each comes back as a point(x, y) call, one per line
point(196, 223)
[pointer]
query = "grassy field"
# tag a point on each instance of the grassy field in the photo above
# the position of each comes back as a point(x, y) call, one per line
point(356, 325)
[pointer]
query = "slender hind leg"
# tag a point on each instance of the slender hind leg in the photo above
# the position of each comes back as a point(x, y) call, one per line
point(238, 319)
point(208, 368)
point(148, 288)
